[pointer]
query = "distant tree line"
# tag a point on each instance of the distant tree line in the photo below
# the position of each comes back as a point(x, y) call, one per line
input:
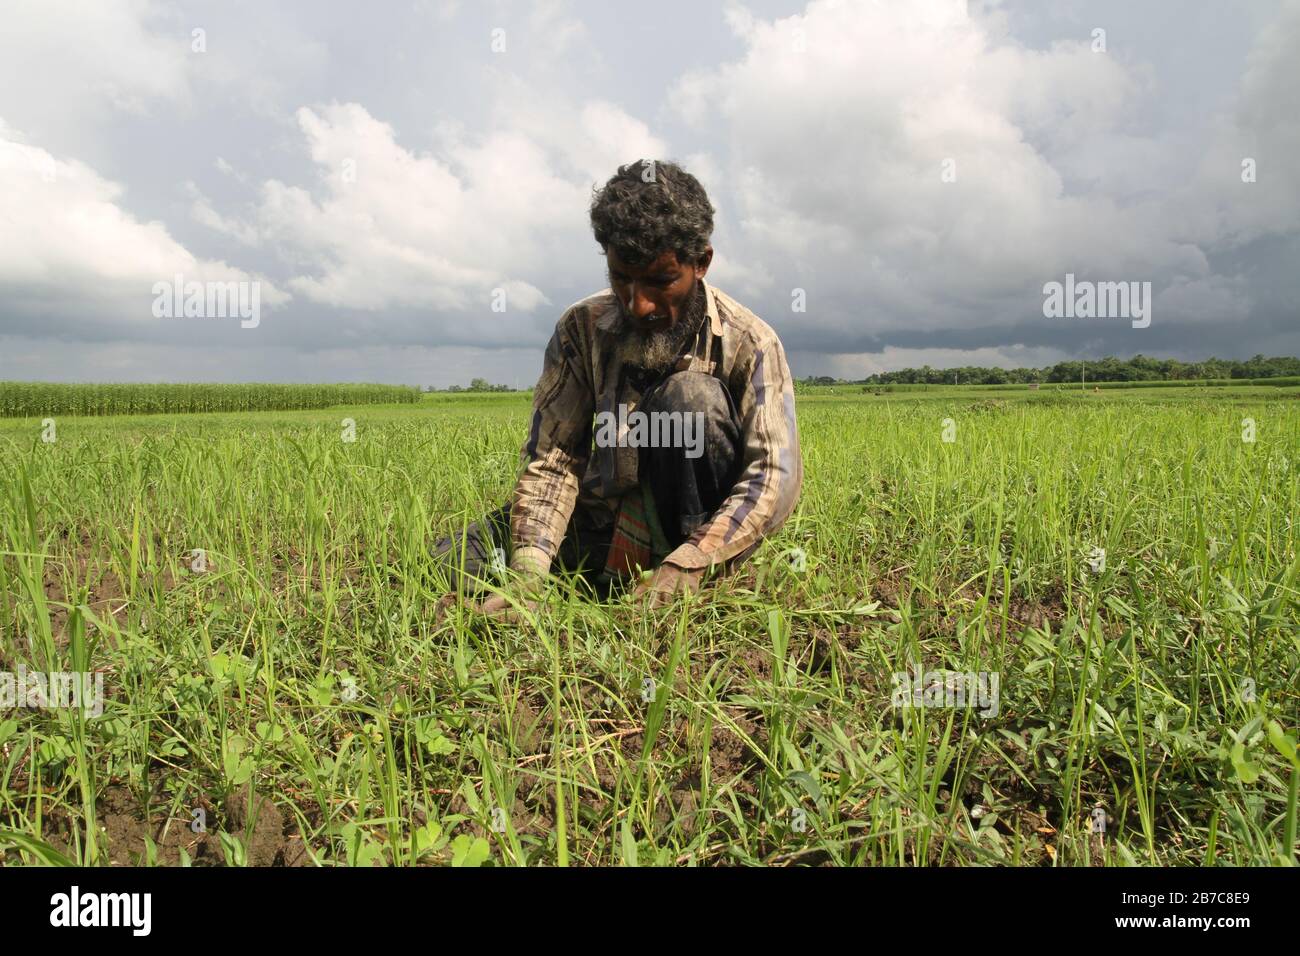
point(476, 385)
point(1140, 368)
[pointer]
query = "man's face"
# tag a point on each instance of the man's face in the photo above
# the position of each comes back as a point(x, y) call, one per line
point(655, 296)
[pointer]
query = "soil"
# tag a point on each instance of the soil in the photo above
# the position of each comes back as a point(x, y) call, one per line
point(270, 840)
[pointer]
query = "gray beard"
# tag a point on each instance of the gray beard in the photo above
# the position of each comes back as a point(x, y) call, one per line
point(659, 350)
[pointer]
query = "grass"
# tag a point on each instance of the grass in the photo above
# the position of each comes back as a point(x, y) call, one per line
point(290, 696)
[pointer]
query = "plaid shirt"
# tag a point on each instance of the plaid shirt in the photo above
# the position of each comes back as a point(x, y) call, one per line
point(590, 367)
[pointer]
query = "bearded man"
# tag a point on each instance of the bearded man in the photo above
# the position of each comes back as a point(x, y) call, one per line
point(613, 501)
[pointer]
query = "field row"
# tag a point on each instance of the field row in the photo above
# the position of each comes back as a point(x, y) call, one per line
point(44, 399)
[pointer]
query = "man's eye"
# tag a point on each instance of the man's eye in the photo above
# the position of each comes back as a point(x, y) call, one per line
point(656, 283)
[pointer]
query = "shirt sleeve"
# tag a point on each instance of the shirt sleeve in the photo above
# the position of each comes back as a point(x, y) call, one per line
point(554, 456)
point(768, 488)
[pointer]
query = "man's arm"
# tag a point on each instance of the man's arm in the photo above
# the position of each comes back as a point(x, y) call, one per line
point(554, 455)
point(772, 474)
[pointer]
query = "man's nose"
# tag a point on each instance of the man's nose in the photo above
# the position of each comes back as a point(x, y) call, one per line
point(638, 304)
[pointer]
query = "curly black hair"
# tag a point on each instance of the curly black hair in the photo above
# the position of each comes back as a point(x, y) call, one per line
point(650, 207)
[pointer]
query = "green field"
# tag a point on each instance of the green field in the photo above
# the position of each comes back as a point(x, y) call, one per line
point(24, 399)
point(289, 697)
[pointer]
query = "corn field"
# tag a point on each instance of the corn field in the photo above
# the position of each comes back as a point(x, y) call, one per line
point(39, 399)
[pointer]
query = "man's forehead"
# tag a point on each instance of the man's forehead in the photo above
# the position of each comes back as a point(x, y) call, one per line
point(665, 262)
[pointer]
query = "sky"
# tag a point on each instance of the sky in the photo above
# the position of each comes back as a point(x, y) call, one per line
point(405, 185)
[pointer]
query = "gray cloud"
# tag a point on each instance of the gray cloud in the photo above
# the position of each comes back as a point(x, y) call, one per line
point(389, 180)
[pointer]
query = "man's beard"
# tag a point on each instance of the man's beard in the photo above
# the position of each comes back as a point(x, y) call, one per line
point(659, 349)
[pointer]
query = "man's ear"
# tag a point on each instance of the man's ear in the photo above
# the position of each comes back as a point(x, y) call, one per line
point(702, 266)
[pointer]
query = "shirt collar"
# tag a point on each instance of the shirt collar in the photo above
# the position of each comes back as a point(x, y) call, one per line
point(711, 309)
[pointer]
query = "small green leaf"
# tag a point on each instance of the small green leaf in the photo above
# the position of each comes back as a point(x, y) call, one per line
point(239, 769)
point(1247, 771)
point(1283, 743)
point(370, 853)
point(437, 745)
point(426, 837)
point(322, 692)
point(469, 851)
point(220, 665)
point(809, 785)
point(629, 844)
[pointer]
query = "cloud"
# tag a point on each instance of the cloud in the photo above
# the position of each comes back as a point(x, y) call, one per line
point(74, 58)
point(383, 226)
point(1220, 208)
point(1220, 299)
point(69, 248)
point(840, 123)
point(390, 208)
point(78, 361)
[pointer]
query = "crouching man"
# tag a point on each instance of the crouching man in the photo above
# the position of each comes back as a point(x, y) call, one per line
point(663, 431)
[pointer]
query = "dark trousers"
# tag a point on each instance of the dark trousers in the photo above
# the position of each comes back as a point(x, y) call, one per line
point(686, 491)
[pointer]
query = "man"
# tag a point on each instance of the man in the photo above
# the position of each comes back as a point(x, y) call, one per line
point(663, 431)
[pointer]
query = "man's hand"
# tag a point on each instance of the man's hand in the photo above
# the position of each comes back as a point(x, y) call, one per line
point(666, 582)
point(496, 607)
point(525, 587)
point(499, 608)
point(526, 590)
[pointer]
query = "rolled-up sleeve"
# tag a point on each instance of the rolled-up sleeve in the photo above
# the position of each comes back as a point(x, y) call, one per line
point(555, 454)
point(768, 488)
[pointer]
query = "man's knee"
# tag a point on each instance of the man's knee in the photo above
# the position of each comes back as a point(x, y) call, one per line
point(709, 425)
point(476, 552)
point(690, 392)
